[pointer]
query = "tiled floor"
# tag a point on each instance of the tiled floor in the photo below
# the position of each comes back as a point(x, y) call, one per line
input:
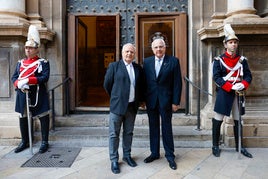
point(93, 162)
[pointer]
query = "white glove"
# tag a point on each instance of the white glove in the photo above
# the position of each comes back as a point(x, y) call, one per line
point(24, 88)
point(23, 82)
point(240, 86)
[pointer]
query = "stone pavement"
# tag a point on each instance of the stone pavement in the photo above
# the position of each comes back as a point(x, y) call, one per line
point(93, 162)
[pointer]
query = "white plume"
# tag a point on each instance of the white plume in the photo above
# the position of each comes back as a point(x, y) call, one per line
point(228, 30)
point(33, 34)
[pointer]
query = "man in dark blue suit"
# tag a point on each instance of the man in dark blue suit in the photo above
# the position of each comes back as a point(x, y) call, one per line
point(163, 93)
point(123, 82)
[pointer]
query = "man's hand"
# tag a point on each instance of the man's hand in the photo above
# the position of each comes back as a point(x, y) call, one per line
point(143, 105)
point(238, 86)
point(175, 107)
point(24, 88)
point(23, 82)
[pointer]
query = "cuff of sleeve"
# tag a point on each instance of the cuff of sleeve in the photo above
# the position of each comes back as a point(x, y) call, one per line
point(16, 83)
point(245, 83)
point(227, 86)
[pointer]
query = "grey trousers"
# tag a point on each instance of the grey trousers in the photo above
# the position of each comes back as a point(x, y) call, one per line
point(115, 123)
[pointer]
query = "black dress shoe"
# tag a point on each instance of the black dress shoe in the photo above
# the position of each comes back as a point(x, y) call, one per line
point(44, 147)
point(130, 161)
point(150, 159)
point(216, 151)
point(21, 147)
point(245, 152)
point(115, 167)
point(172, 164)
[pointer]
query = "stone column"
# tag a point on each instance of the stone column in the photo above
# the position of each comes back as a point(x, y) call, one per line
point(14, 7)
point(262, 8)
point(219, 9)
point(241, 9)
point(32, 8)
point(12, 12)
point(13, 19)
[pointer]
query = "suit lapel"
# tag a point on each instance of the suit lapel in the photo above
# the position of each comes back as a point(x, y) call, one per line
point(123, 66)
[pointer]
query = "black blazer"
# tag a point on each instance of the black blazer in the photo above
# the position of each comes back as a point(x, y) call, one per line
point(167, 86)
point(117, 83)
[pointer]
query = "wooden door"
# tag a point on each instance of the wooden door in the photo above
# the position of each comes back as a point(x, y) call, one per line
point(173, 28)
point(91, 41)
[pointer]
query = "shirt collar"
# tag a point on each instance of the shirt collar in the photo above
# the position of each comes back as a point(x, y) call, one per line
point(156, 58)
point(127, 63)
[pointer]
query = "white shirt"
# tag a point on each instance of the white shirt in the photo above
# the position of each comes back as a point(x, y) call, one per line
point(158, 64)
point(131, 75)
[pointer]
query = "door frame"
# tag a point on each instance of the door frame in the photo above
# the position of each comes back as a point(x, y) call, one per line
point(72, 49)
point(180, 40)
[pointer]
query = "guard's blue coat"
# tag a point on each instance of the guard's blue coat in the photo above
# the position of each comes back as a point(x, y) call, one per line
point(224, 100)
point(43, 99)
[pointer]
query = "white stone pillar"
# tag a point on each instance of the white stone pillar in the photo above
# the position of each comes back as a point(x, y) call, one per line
point(13, 8)
point(241, 8)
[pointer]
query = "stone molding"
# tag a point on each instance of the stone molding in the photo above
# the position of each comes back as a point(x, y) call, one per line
point(240, 26)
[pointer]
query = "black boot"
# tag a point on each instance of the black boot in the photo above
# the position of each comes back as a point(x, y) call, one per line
point(44, 121)
point(243, 150)
point(216, 130)
point(24, 144)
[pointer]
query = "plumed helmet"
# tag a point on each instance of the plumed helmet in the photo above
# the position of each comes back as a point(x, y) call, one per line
point(229, 33)
point(33, 39)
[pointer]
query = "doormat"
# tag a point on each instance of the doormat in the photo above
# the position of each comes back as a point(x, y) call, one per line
point(54, 157)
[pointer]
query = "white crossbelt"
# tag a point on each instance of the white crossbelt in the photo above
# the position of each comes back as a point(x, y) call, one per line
point(234, 79)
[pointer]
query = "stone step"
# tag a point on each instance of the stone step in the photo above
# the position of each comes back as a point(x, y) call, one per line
point(94, 120)
point(184, 136)
point(255, 135)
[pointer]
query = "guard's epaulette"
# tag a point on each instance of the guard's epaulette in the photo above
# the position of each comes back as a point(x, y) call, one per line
point(217, 58)
point(242, 58)
point(43, 60)
point(20, 60)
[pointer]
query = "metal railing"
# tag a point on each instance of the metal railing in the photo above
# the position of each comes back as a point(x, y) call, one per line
point(66, 90)
point(198, 99)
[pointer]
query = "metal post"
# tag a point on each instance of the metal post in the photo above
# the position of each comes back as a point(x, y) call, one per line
point(53, 110)
point(198, 111)
point(187, 96)
point(29, 122)
point(67, 98)
point(239, 123)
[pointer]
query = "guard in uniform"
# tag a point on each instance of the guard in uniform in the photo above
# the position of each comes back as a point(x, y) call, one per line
point(231, 74)
point(32, 74)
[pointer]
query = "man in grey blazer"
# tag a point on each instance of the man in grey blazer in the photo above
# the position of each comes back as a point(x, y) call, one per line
point(163, 94)
point(123, 82)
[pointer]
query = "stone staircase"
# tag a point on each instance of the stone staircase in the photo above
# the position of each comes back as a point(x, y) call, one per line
point(255, 129)
point(85, 130)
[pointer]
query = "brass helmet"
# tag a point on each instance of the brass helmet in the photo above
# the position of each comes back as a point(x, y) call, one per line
point(229, 33)
point(33, 39)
